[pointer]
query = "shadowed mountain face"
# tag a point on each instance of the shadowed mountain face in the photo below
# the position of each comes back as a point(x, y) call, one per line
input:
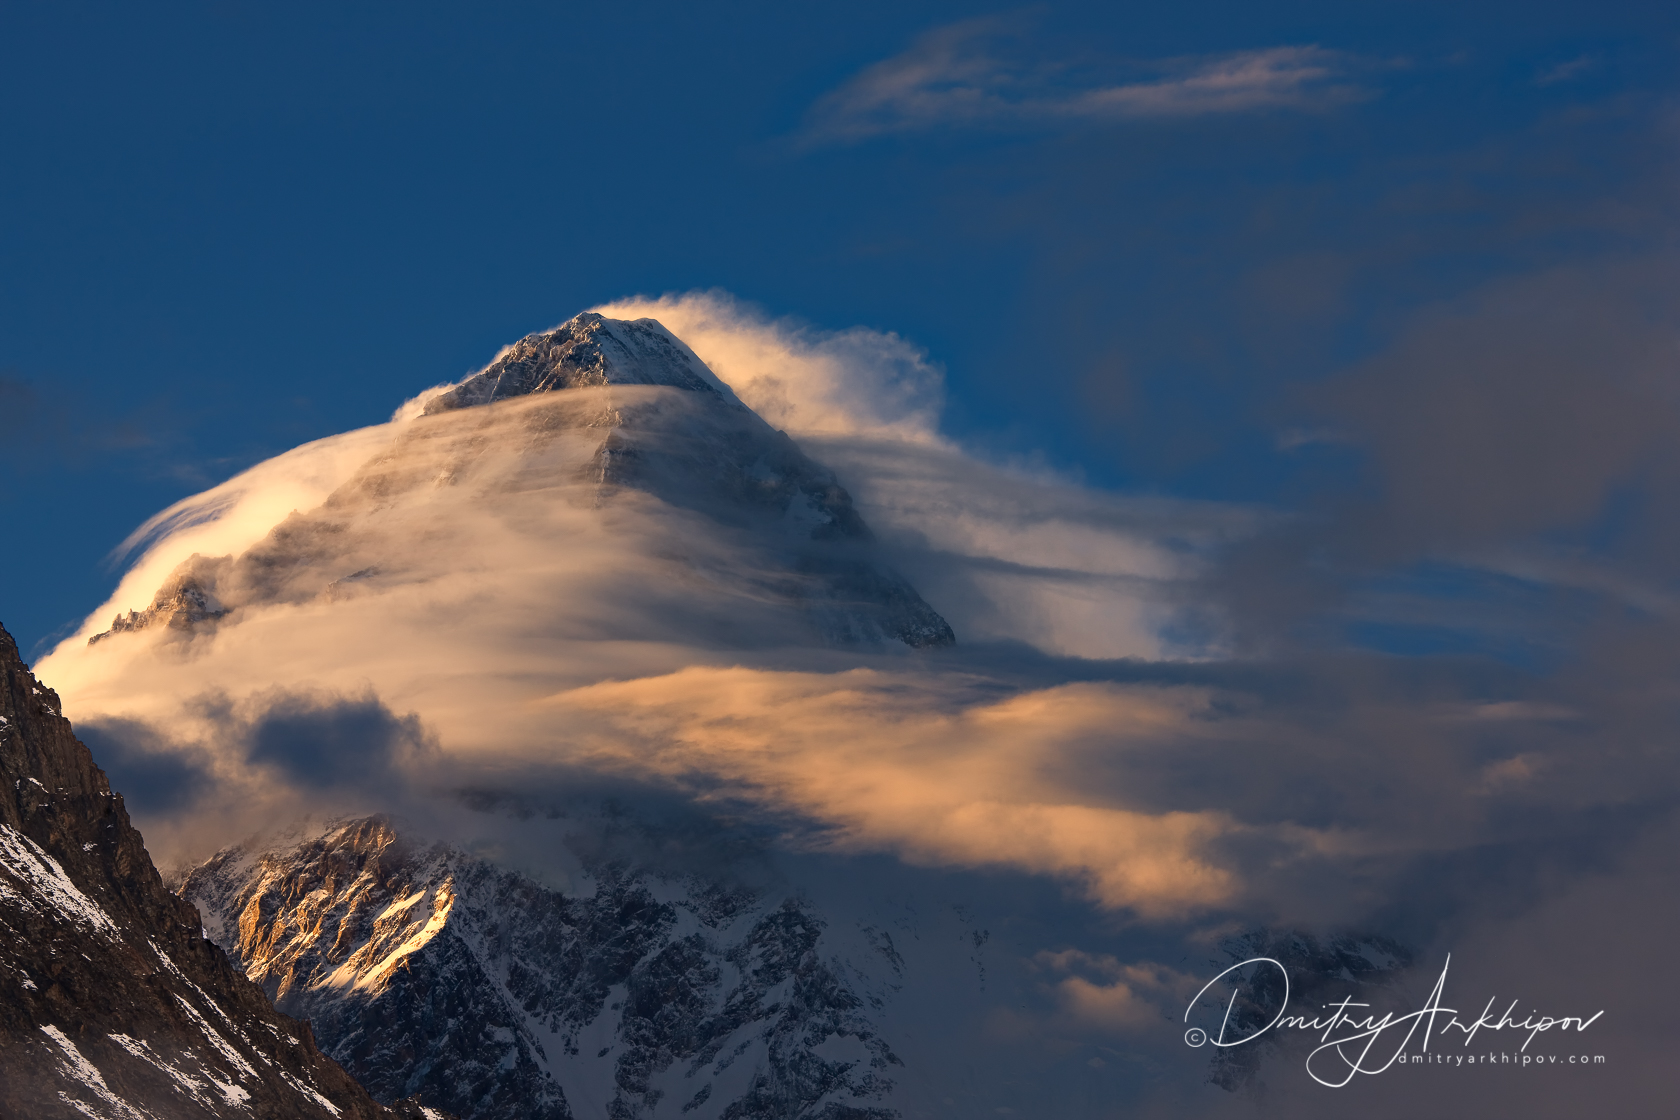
point(112, 1002)
point(619, 426)
point(430, 971)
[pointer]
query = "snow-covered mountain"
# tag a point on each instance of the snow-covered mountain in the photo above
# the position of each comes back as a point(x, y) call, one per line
point(112, 1002)
point(428, 970)
point(603, 414)
point(589, 575)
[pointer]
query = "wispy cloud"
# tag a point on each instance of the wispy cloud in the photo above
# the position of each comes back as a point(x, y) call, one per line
point(890, 761)
point(1568, 71)
point(978, 73)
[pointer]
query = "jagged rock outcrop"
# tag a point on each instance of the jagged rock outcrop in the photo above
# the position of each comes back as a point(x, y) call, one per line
point(426, 970)
point(112, 1002)
point(182, 604)
point(597, 413)
point(588, 351)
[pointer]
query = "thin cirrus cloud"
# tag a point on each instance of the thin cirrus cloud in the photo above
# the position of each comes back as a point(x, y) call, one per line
point(974, 74)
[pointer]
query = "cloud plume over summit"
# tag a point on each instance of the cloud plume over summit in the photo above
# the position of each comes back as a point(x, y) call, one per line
point(460, 569)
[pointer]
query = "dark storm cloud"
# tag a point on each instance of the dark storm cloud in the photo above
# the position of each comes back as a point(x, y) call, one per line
point(314, 740)
point(152, 774)
point(326, 741)
point(228, 768)
point(1487, 503)
point(1531, 407)
point(1293, 249)
point(1500, 471)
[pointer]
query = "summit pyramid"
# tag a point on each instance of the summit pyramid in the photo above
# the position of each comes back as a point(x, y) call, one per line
point(615, 417)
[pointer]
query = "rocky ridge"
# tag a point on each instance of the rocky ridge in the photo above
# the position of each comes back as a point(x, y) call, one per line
point(587, 351)
point(112, 1002)
point(181, 605)
point(430, 971)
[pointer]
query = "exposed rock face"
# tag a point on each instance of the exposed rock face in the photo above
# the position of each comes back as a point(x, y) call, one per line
point(182, 604)
point(433, 972)
point(589, 351)
point(112, 1003)
point(600, 414)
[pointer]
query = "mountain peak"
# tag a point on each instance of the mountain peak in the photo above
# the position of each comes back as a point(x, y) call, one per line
point(679, 475)
point(586, 351)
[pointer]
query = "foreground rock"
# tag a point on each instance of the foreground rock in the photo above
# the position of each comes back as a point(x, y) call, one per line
point(112, 1003)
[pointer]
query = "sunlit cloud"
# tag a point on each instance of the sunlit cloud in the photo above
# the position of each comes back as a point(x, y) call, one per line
point(1098, 989)
point(230, 517)
point(458, 592)
point(454, 571)
point(1010, 553)
point(977, 73)
point(460, 589)
point(807, 381)
point(890, 763)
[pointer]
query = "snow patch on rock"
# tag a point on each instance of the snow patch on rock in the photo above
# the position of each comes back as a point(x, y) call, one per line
point(44, 883)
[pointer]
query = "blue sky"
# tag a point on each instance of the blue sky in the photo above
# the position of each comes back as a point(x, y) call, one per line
point(229, 229)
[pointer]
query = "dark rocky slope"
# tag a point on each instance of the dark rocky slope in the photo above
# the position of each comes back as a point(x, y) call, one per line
point(112, 1003)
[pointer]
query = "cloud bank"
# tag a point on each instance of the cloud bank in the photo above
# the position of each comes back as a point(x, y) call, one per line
point(453, 601)
point(407, 602)
point(898, 761)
